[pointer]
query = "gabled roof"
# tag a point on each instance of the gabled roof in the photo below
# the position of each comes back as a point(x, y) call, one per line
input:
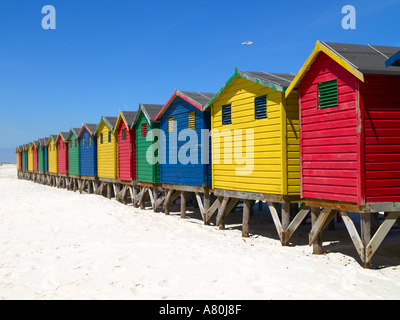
point(394, 60)
point(53, 137)
point(19, 149)
point(109, 121)
point(197, 99)
point(63, 135)
point(35, 143)
point(90, 127)
point(150, 112)
point(128, 117)
point(44, 142)
point(276, 81)
point(355, 58)
point(73, 131)
point(25, 147)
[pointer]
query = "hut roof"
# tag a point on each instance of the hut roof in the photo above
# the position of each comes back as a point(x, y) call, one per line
point(358, 59)
point(197, 99)
point(150, 111)
point(276, 81)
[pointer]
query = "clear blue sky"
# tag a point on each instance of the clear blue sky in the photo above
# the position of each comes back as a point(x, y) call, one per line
point(106, 56)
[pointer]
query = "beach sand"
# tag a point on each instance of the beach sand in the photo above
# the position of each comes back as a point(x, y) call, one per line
point(57, 244)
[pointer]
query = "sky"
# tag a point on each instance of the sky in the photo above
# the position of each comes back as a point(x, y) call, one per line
point(106, 56)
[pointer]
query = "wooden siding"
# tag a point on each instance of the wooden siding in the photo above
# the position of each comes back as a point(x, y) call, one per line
point(146, 172)
point(106, 153)
point(62, 156)
point(41, 160)
point(381, 97)
point(30, 158)
point(126, 153)
point(19, 160)
point(88, 155)
point(35, 158)
point(52, 153)
point(269, 174)
point(329, 139)
point(73, 156)
point(24, 160)
point(183, 174)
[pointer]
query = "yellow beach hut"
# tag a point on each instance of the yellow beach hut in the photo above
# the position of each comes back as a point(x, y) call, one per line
point(30, 157)
point(52, 154)
point(107, 148)
point(255, 144)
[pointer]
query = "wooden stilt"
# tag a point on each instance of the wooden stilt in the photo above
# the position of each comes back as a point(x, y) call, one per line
point(316, 235)
point(246, 218)
point(183, 204)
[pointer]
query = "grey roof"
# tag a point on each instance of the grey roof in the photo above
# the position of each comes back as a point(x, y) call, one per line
point(64, 135)
point(54, 137)
point(200, 97)
point(281, 79)
point(368, 59)
point(151, 110)
point(91, 127)
point(45, 141)
point(111, 121)
point(75, 131)
point(129, 117)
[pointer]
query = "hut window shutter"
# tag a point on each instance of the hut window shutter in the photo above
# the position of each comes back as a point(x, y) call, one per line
point(171, 124)
point(101, 138)
point(260, 107)
point(123, 134)
point(192, 120)
point(76, 143)
point(144, 129)
point(70, 143)
point(327, 94)
point(90, 141)
point(226, 114)
point(83, 141)
point(109, 136)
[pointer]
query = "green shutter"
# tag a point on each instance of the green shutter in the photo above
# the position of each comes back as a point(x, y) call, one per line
point(327, 94)
point(123, 134)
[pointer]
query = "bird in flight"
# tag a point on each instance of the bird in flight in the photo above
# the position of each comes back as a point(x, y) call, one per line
point(246, 43)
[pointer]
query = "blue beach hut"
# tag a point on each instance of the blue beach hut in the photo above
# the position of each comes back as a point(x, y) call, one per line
point(88, 150)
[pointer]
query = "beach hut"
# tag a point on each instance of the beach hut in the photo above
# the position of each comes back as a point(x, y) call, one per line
point(350, 138)
point(147, 168)
point(30, 156)
point(35, 158)
point(19, 157)
point(107, 163)
point(255, 145)
point(185, 165)
point(52, 154)
point(43, 155)
point(73, 152)
point(62, 153)
point(126, 135)
point(106, 148)
point(24, 157)
point(88, 150)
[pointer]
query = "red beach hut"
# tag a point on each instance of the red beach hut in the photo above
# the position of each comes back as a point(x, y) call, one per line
point(349, 124)
point(62, 147)
point(35, 148)
point(126, 133)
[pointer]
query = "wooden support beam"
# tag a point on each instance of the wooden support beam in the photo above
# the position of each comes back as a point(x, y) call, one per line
point(379, 235)
point(183, 204)
point(300, 216)
point(221, 213)
point(246, 218)
point(315, 235)
point(212, 209)
point(200, 204)
point(353, 234)
point(277, 222)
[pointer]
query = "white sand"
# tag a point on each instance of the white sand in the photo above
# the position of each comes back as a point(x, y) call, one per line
point(57, 244)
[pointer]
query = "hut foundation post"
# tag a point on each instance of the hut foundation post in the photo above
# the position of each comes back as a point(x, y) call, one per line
point(183, 204)
point(109, 190)
point(246, 218)
point(317, 243)
point(366, 235)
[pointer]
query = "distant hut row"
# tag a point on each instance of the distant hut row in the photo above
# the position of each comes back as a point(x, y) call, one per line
point(328, 137)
